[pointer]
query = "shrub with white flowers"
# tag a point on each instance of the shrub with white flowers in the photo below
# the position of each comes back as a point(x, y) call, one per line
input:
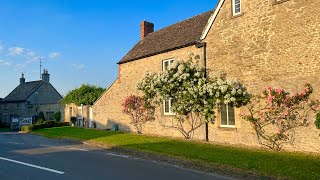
point(195, 97)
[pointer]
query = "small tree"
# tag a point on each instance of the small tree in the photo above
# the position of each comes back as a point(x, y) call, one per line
point(86, 95)
point(139, 110)
point(276, 114)
point(195, 97)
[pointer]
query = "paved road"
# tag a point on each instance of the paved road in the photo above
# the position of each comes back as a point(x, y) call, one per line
point(24, 156)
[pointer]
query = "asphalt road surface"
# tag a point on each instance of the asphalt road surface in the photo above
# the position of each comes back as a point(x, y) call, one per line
point(24, 156)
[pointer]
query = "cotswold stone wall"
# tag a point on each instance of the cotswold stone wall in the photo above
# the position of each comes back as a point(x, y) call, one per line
point(108, 109)
point(269, 44)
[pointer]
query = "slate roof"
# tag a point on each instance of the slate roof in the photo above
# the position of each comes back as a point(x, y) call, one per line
point(23, 91)
point(181, 34)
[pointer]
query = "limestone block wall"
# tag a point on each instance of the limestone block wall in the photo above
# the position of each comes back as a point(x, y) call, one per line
point(108, 109)
point(269, 44)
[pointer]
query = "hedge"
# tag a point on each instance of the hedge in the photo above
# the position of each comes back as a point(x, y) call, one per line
point(45, 124)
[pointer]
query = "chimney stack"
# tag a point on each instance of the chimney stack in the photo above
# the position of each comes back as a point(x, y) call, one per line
point(45, 76)
point(22, 79)
point(145, 29)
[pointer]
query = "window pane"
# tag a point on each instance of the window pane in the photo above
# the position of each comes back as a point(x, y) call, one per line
point(237, 6)
point(171, 103)
point(166, 106)
point(223, 113)
point(166, 64)
point(231, 116)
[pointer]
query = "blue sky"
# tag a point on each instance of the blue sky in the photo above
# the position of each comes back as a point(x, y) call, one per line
point(81, 40)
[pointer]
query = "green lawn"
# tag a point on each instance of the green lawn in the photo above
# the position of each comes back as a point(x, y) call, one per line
point(283, 164)
point(4, 129)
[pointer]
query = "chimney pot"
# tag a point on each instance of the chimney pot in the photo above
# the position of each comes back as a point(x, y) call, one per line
point(45, 76)
point(145, 29)
point(22, 79)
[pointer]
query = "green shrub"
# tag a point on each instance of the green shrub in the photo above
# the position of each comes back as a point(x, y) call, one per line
point(41, 116)
point(73, 120)
point(25, 128)
point(57, 116)
point(47, 124)
point(39, 121)
point(317, 122)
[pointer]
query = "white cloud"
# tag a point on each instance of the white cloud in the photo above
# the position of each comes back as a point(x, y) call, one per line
point(54, 55)
point(78, 66)
point(20, 65)
point(5, 63)
point(16, 51)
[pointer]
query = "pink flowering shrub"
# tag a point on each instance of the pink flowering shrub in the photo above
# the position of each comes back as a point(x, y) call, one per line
point(276, 114)
point(139, 111)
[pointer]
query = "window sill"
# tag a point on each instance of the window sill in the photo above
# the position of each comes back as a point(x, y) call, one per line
point(275, 2)
point(168, 115)
point(236, 16)
point(228, 128)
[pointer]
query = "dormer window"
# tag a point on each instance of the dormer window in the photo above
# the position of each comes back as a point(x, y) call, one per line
point(236, 7)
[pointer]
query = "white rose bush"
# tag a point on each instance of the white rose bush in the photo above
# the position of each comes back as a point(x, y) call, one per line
point(195, 97)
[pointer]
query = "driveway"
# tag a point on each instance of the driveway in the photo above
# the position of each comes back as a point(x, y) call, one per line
point(24, 156)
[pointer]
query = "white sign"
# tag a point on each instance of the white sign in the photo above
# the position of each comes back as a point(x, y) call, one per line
point(15, 120)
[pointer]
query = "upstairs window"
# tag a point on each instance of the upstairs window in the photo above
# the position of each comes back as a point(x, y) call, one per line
point(227, 116)
point(5, 106)
point(166, 64)
point(236, 7)
point(167, 107)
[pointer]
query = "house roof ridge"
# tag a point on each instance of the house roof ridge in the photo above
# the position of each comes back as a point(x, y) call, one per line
point(175, 36)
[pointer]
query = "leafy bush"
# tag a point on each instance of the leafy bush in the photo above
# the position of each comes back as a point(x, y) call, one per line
point(139, 110)
point(25, 128)
point(41, 116)
point(57, 116)
point(317, 122)
point(86, 95)
point(45, 124)
point(73, 120)
point(276, 114)
point(39, 121)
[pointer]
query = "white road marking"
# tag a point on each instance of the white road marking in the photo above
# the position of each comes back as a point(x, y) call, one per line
point(31, 165)
point(78, 149)
point(44, 145)
point(15, 143)
point(112, 154)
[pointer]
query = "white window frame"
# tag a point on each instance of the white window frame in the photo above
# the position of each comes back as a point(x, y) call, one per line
point(227, 111)
point(234, 13)
point(170, 113)
point(170, 61)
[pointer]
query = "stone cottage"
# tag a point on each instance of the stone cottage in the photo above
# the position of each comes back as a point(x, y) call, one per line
point(258, 42)
point(28, 99)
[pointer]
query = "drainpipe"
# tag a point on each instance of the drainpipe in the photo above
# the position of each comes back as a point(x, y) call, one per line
point(203, 45)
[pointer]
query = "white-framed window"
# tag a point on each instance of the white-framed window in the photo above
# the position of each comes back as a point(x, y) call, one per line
point(166, 64)
point(236, 7)
point(167, 107)
point(227, 116)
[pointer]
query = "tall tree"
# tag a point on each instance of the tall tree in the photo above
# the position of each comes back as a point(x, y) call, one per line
point(86, 95)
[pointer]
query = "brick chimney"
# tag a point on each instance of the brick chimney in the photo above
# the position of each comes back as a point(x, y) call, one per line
point(22, 79)
point(145, 29)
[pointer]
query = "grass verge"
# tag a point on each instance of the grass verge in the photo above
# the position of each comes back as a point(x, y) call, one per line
point(279, 164)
